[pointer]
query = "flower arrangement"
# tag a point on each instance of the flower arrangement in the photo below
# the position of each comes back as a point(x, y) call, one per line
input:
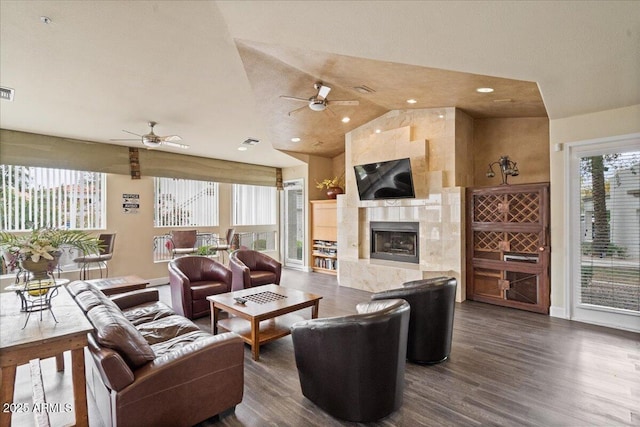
point(330, 183)
point(44, 242)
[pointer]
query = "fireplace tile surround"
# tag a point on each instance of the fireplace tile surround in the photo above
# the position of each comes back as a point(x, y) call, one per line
point(436, 147)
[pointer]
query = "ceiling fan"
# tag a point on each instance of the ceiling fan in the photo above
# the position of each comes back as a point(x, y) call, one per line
point(152, 140)
point(319, 101)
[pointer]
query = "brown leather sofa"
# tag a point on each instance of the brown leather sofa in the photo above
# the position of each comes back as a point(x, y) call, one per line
point(252, 268)
point(192, 279)
point(432, 304)
point(148, 366)
point(352, 367)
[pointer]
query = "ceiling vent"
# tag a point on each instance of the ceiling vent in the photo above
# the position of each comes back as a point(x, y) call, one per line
point(363, 89)
point(250, 141)
point(6, 93)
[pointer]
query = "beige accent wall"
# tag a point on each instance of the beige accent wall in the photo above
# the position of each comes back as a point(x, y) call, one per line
point(524, 140)
point(620, 121)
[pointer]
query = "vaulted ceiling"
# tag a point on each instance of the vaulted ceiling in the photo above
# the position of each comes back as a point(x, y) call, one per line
point(213, 72)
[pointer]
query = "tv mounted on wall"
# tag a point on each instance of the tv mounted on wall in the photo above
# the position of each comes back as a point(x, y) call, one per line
point(390, 179)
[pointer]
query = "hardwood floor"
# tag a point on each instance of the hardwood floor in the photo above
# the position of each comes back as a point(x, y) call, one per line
point(507, 367)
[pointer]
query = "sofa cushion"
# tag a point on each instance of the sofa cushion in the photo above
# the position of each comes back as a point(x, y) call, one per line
point(78, 286)
point(92, 298)
point(166, 328)
point(147, 312)
point(113, 330)
point(176, 343)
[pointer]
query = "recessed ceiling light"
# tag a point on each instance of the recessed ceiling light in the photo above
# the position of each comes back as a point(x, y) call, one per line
point(484, 90)
point(45, 20)
point(346, 120)
point(242, 148)
point(441, 116)
point(411, 101)
point(295, 139)
point(378, 131)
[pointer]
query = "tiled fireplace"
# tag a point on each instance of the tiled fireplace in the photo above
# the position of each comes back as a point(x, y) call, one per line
point(395, 241)
point(437, 142)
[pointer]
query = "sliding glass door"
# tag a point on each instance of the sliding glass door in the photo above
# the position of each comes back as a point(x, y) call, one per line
point(605, 233)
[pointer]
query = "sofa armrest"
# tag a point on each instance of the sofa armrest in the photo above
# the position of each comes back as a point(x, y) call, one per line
point(208, 373)
point(112, 368)
point(133, 298)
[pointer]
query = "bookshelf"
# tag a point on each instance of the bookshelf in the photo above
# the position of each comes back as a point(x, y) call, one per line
point(324, 236)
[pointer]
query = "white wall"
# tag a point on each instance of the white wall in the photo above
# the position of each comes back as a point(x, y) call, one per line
point(621, 121)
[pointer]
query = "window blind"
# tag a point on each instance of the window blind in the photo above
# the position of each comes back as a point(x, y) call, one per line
point(34, 197)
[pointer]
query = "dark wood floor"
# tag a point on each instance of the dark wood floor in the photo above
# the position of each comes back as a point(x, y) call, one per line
point(507, 368)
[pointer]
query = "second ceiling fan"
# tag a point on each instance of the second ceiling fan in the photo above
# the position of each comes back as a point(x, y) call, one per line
point(151, 140)
point(319, 101)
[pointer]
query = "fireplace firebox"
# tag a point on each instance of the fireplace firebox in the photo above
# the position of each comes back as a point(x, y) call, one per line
point(395, 241)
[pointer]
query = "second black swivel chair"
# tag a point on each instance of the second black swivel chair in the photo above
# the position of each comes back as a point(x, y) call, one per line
point(432, 303)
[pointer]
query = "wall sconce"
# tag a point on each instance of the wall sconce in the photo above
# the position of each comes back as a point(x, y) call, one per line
point(507, 168)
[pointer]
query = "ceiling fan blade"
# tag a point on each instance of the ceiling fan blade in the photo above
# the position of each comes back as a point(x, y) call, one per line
point(126, 131)
point(330, 111)
point(298, 109)
point(125, 139)
point(294, 98)
point(171, 138)
point(336, 102)
point(323, 91)
point(174, 144)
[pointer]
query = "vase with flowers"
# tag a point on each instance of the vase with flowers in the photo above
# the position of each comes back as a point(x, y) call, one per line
point(38, 251)
point(333, 186)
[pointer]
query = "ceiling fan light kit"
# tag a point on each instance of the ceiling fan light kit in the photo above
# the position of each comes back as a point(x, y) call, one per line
point(151, 140)
point(319, 101)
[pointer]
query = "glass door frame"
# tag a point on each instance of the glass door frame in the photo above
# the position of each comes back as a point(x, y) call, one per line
point(293, 184)
point(588, 313)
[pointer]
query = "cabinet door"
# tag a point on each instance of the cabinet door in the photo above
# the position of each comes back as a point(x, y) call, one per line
point(507, 246)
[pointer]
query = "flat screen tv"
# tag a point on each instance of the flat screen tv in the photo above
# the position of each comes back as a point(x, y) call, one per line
point(385, 180)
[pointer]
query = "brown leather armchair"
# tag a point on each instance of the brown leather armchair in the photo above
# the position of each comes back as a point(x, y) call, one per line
point(252, 268)
point(192, 279)
point(353, 366)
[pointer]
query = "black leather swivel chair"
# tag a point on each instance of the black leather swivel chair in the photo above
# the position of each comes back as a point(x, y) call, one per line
point(432, 304)
point(353, 366)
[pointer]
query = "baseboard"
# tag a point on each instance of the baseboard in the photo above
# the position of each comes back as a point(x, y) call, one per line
point(159, 281)
point(558, 312)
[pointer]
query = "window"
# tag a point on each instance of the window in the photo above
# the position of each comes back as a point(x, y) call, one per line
point(185, 203)
point(34, 197)
point(254, 205)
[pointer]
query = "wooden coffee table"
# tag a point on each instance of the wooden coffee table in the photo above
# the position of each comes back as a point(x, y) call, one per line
point(265, 316)
point(117, 285)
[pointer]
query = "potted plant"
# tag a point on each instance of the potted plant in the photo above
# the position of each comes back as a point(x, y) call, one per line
point(38, 251)
point(334, 186)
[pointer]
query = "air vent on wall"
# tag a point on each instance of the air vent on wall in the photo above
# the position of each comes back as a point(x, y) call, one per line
point(250, 141)
point(6, 93)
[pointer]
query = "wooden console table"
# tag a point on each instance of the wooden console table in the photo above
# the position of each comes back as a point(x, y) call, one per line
point(39, 340)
